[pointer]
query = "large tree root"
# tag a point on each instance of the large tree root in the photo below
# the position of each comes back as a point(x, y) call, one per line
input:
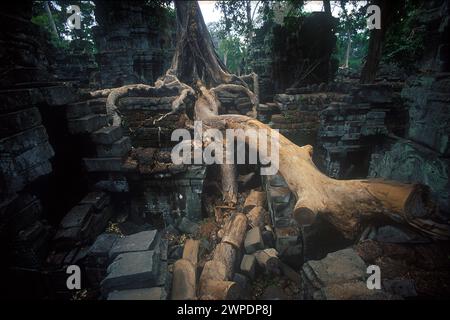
point(345, 203)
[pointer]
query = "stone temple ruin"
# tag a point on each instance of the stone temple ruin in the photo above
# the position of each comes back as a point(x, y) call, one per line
point(76, 190)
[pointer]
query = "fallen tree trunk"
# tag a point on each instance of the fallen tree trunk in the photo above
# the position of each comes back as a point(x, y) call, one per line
point(190, 251)
point(184, 282)
point(235, 230)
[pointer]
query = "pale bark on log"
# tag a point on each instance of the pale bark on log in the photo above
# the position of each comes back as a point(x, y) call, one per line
point(254, 199)
point(344, 203)
point(256, 217)
point(213, 270)
point(268, 260)
point(190, 251)
point(184, 282)
point(226, 253)
point(219, 290)
point(235, 230)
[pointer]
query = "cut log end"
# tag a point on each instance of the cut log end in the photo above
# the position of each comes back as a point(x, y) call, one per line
point(303, 215)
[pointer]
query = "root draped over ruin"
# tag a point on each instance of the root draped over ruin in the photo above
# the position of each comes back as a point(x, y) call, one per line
point(197, 72)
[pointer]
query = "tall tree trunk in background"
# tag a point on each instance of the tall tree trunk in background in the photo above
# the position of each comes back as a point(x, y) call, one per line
point(389, 9)
point(347, 52)
point(50, 19)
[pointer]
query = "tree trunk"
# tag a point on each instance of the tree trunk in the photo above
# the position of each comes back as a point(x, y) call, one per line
point(388, 12)
point(347, 52)
point(50, 19)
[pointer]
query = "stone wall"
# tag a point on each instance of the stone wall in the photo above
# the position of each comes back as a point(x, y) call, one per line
point(28, 93)
point(133, 45)
point(423, 156)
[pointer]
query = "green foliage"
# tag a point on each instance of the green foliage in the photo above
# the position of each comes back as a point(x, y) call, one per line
point(404, 39)
point(229, 47)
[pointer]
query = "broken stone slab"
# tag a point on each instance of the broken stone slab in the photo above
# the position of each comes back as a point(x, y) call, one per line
point(98, 253)
point(155, 293)
point(100, 221)
point(286, 237)
point(24, 140)
point(187, 226)
point(273, 292)
point(84, 108)
point(279, 194)
point(103, 164)
point(141, 241)
point(337, 267)
point(107, 135)
point(14, 122)
point(392, 234)
point(87, 124)
point(374, 93)
point(132, 270)
point(253, 241)
point(117, 149)
point(405, 288)
point(77, 216)
point(248, 265)
point(356, 290)
point(18, 99)
point(17, 165)
point(268, 238)
point(116, 185)
point(50, 95)
point(16, 180)
point(97, 199)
